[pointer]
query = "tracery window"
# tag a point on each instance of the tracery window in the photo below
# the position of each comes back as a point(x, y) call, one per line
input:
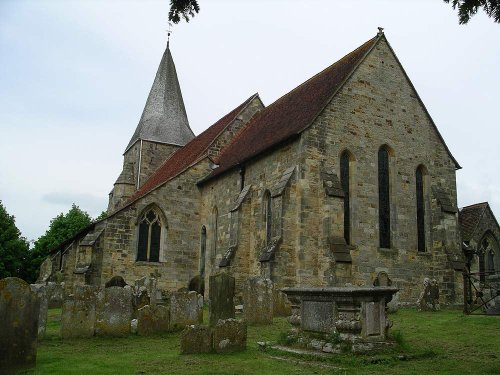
point(419, 178)
point(344, 180)
point(148, 245)
point(384, 210)
point(268, 215)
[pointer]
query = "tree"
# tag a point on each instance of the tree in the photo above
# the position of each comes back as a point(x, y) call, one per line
point(182, 8)
point(468, 8)
point(13, 247)
point(61, 228)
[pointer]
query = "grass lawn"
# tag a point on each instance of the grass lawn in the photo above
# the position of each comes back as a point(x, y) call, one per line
point(445, 342)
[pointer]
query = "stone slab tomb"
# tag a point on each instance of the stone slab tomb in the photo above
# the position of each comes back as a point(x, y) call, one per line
point(196, 339)
point(186, 308)
point(19, 310)
point(356, 313)
point(113, 311)
point(42, 292)
point(258, 301)
point(153, 320)
point(79, 313)
point(221, 296)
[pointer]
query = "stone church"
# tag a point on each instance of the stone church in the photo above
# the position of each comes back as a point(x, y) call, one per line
point(341, 180)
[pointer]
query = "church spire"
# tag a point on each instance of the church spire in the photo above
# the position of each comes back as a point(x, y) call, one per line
point(164, 118)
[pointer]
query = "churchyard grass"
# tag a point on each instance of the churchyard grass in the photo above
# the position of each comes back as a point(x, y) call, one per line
point(444, 342)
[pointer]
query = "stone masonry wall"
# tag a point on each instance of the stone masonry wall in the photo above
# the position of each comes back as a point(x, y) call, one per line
point(376, 107)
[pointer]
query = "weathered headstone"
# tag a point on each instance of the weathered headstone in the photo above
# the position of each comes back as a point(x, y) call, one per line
point(79, 313)
point(19, 308)
point(186, 308)
point(115, 281)
point(258, 301)
point(45, 271)
point(55, 292)
point(281, 304)
point(42, 291)
point(142, 299)
point(230, 335)
point(150, 285)
point(383, 279)
point(113, 311)
point(153, 320)
point(196, 339)
point(429, 297)
point(221, 296)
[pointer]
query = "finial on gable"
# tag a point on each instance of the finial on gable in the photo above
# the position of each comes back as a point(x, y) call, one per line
point(380, 31)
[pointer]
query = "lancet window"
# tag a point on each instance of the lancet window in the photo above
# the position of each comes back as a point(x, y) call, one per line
point(149, 243)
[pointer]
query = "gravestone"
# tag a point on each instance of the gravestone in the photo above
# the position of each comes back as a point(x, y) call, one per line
point(281, 304)
point(429, 297)
point(230, 335)
point(42, 292)
point(186, 308)
point(79, 313)
point(142, 299)
point(221, 296)
point(113, 311)
point(150, 285)
point(196, 339)
point(19, 308)
point(115, 281)
point(55, 293)
point(153, 320)
point(383, 279)
point(45, 271)
point(258, 301)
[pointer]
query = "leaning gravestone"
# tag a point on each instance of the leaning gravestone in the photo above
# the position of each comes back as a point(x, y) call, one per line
point(186, 308)
point(114, 311)
point(258, 301)
point(78, 313)
point(153, 320)
point(45, 271)
point(221, 295)
point(230, 335)
point(42, 292)
point(19, 308)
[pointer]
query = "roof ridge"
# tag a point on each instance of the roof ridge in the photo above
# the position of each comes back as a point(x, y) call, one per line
point(475, 205)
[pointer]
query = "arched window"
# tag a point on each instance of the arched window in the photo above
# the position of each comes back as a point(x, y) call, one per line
point(148, 245)
point(491, 261)
point(203, 250)
point(419, 179)
point(215, 214)
point(344, 180)
point(268, 215)
point(384, 208)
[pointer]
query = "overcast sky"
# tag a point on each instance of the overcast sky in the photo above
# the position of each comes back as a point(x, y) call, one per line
point(75, 75)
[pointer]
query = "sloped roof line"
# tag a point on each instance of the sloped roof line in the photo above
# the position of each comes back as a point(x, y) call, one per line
point(338, 73)
point(457, 165)
point(187, 156)
point(164, 118)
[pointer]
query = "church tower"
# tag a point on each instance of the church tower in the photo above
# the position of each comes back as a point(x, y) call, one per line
point(162, 129)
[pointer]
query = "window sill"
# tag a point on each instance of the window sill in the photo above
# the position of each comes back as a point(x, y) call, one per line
point(424, 254)
point(146, 263)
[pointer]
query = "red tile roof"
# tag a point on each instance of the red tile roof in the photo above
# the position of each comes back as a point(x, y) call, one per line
point(469, 218)
point(291, 114)
point(188, 155)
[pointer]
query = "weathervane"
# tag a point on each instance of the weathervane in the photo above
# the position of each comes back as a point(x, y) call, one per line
point(169, 31)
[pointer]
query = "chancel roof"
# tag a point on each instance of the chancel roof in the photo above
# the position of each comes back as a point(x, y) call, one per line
point(164, 118)
point(469, 218)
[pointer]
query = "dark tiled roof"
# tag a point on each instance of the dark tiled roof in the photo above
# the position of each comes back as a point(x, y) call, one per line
point(188, 155)
point(469, 218)
point(291, 114)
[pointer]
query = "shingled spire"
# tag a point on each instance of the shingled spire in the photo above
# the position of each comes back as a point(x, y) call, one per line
point(164, 118)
